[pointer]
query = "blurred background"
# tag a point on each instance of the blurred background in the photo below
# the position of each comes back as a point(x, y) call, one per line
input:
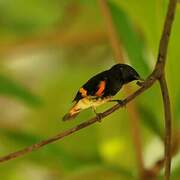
point(48, 49)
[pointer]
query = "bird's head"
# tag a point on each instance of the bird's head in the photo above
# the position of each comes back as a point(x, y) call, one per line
point(125, 73)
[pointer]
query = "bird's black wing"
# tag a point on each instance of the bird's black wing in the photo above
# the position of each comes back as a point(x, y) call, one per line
point(93, 87)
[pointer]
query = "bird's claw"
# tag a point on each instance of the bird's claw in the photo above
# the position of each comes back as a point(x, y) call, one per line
point(99, 116)
point(120, 102)
point(140, 83)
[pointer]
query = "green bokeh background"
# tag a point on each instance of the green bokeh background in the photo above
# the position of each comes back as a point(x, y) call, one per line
point(48, 49)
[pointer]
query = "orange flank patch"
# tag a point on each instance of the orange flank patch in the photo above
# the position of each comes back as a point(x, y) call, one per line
point(83, 92)
point(102, 85)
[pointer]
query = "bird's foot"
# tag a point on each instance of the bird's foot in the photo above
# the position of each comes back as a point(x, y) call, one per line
point(99, 116)
point(120, 102)
point(140, 82)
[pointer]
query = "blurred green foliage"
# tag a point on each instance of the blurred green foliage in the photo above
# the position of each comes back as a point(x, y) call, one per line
point(11, 88)
point(133, 44)
point(54, 47)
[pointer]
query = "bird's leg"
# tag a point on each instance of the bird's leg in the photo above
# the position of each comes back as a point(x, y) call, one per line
point(99, 115)
point(120, 102)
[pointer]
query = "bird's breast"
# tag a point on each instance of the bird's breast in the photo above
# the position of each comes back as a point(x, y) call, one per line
point(91, 101)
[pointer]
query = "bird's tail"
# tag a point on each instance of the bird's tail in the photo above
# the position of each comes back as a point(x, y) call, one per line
point(74, 111)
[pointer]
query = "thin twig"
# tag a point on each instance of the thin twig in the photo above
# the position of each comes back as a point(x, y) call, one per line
point(163, 45)
point(58, 39)
point(161, 61)
point(159, 164)
point(118, 54)
point(167, 112)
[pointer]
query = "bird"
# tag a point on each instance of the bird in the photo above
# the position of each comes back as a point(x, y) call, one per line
point(101, 88)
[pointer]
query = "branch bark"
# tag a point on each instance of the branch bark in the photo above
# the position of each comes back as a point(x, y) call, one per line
point(168, 133)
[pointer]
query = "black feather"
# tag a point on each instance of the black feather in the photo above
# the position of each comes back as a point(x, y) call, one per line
point(115, 78)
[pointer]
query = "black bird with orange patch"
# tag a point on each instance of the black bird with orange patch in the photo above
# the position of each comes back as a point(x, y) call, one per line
point(101, 88)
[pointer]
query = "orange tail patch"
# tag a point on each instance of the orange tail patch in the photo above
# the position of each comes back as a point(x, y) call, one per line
point(71, 114)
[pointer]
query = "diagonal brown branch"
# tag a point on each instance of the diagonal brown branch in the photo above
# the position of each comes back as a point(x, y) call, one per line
point(61, 135)
point(157, 74)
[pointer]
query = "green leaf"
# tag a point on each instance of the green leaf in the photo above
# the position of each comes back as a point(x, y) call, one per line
point(132, 43)
point(24, 18)
point(176, 171)
point(11, 88)
point(100, 171)
point(150, 120)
